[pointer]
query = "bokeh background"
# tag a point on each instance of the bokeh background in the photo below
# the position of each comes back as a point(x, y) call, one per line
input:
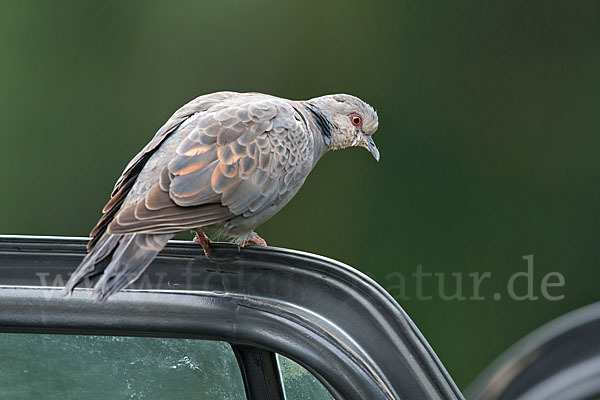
point(489, 135)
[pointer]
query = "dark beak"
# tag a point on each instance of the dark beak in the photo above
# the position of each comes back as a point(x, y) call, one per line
point(369, 144)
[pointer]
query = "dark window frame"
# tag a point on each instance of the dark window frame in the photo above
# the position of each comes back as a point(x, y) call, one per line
point(328, 317)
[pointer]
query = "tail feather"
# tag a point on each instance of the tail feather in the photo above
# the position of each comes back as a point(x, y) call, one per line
point(93, 263)
point(130, 255)
point(134, 254)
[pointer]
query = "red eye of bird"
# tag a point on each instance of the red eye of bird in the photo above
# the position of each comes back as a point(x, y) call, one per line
point(356, 119)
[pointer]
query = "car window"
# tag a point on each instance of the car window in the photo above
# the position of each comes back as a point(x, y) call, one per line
point(299, 384)
point(110, 367)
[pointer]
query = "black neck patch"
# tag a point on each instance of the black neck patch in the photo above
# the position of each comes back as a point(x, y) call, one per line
point(322, 121)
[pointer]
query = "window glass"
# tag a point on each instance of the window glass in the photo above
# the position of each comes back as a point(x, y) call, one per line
point(104, 367)
point(299, 384)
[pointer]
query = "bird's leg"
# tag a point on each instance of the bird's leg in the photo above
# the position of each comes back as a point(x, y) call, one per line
point(255, 240)
point(203, 240)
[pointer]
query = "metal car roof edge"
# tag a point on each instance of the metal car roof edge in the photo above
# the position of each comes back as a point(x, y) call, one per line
point(500, 373)
point(431, 369)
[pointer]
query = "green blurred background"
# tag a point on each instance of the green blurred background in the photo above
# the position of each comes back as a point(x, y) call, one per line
point(488, 133)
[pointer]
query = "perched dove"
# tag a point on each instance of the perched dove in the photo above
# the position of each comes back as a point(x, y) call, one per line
point(225, 162)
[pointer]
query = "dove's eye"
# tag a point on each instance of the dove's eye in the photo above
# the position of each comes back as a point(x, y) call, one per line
point(356, 119)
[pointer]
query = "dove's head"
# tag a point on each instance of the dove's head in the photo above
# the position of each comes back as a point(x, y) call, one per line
point(349, 121)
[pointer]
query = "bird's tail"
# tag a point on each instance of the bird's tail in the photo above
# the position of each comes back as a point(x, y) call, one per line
point(121, 259)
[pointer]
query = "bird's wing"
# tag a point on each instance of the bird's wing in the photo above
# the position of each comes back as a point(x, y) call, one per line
point(132, 170)
point(237, 160)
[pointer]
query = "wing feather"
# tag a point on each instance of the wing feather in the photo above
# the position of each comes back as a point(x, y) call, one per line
point(132, 170)
point(237, 159)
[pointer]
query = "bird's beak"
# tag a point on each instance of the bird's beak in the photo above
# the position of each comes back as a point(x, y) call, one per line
point(369, 144)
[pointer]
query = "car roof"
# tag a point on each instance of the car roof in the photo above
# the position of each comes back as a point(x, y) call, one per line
point(330, 318)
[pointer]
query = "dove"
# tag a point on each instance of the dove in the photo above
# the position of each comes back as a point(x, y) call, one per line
point(223, 163)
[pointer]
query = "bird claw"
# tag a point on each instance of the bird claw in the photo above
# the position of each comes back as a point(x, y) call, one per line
point(257, 240)
point(254, 240)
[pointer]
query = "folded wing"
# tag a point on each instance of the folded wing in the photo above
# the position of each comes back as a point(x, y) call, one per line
point(132, 170)
point(237, 159)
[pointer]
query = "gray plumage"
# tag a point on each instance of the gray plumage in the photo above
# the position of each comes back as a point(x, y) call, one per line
point(225, 161)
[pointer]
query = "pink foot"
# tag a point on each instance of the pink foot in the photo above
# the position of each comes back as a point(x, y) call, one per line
point(204, 242)
point(254, 240)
